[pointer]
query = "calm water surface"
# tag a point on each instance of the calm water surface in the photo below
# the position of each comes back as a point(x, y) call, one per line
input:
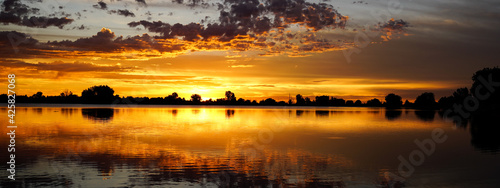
point(167, 146)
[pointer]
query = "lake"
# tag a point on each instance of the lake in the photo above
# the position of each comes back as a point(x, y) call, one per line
point(205, 146)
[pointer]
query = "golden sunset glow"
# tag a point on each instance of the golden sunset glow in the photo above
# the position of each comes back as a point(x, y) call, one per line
point(250, 93)
point(171, 135)
point(314, 49)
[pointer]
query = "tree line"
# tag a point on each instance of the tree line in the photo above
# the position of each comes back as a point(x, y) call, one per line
point(103, 94)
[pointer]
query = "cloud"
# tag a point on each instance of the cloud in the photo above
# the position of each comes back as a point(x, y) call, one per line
point(61, 66)
point(241, 66)
point(101, 5)
point(398, 25)
point(124, 12)
point(194, 3)
point(251, 24)
point(141, 2)
point(14, 43)
point(268, 27)
point(252, 17)
point(14, 12)
point(43, 22)
point(106, 41)
point(393, 28)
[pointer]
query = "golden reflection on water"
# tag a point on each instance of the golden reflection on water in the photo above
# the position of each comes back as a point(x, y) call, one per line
point(190, 143)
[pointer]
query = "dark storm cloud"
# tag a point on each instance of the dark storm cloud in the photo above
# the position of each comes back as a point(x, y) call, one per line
point(123, 12)
point(14, 12)
point(101, 5)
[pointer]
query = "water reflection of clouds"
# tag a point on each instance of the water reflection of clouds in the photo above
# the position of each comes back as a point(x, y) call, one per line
point(178, 144)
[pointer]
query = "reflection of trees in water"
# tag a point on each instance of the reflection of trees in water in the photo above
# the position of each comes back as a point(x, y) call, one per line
point(37, 110)
point(392, 114)
point(322, 113)
point(98, 114)
point(195, 111)
point(484, 128)
point(237, 171)
point(240, 169)
point(45, 180)
point(425, 115)
point(68, 111)
point(229, 113)
point(299, 113)
point(485, 131)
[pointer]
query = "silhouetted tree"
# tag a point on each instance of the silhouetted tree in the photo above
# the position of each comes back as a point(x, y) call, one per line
point(486, 88)
point(240, 101)
point(254, 102)
point(393, 101)
point(299, 100)
point(66, 93)
point(446, 102)
point(358, 103)
point(230, 96)
point(425, 101)
point(172, 99)
point(268, 101)
point(322, 100)
point(349, 103)
point(308, 101)
point(408, 104)
point(195, 98)
point(102, 94)
point(337, 102)
point(373, 102)
point(460, 94)
point(37, 95)
point(458, 97)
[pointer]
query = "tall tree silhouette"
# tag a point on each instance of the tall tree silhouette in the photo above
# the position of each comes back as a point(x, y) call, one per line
point(172, 99)
point(393, 101)
point(230, 96)
point(358, 103)
point(196, 98)
point(102, 94)
point(322, 100)
point(457, 98)
point(300, 100)
point(373, 102)
point(425, 101)
point(486, 86)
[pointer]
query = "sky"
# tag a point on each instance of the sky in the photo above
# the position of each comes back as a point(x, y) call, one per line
point(254, 48)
